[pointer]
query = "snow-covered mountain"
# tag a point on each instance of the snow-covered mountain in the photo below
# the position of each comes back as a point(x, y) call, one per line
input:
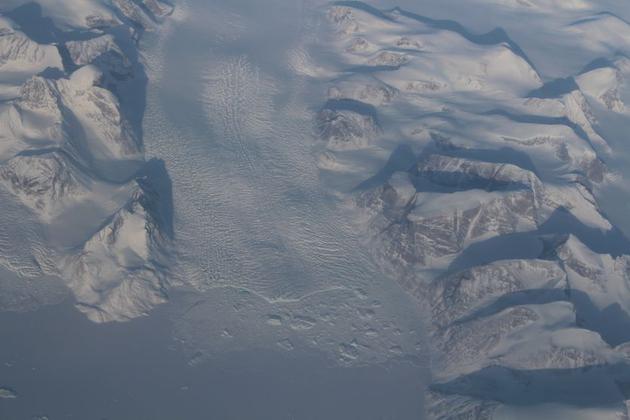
point(71, 153)
point(486, 209)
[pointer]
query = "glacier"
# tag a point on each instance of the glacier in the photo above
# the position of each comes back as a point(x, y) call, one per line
point(379, 209)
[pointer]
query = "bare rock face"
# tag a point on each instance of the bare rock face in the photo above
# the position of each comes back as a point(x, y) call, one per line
point(99, 112)
point(359, 45)
point(20, 53)
point(446, 407)
point(143, 14)
point(605, 279)
point(45, 182)
point(363, 89)
point(346, 129)
point(344, 19)
point(7, 393)
point(452, 202)
point(102, 52)
point(491, 218)
point(68, 151)
point(605, 84)
point(120, 272)
point(97, 21)
point(158, 8)
point(578, 111)
point(468, 174)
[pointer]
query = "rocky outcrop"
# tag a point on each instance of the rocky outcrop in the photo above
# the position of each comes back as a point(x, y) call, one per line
point(45, 182)
point(103, 52)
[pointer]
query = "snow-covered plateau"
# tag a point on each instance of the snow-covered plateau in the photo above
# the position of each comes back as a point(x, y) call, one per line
point(314, 210)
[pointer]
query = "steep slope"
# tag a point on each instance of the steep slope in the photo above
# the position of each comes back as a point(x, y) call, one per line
point(19, 55)
point(71, 145)
point(120, 272)
point(485, 210)
point(45, 182)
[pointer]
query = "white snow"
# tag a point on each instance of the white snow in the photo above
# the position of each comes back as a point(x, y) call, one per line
point(378, 181)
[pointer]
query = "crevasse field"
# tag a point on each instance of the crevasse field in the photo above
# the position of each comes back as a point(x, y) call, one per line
point(241, 209)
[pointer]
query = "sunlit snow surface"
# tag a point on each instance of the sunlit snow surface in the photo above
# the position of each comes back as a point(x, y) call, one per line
point(278, 286)
point(281, 135)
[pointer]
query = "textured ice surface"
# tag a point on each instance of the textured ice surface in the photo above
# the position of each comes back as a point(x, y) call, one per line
point(360, 194)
